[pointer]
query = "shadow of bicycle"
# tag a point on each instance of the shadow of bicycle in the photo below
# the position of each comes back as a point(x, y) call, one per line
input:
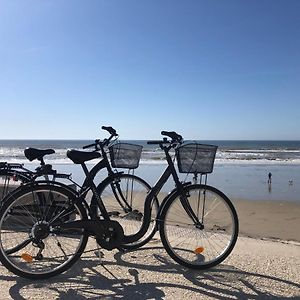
point(148, 273)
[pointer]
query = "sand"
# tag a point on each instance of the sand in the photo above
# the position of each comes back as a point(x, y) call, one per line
point(265, 264)
point(256, 269)
point(278, 220)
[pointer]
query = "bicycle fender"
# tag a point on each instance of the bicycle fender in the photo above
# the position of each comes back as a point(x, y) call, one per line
point(45, 182)
point(103, 183)
point(108, 178)
point(166, 199)
point(37, 183)
point(15, 191)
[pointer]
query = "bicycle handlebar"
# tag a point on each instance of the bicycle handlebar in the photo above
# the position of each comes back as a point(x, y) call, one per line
point(158, 142)
point(110, 130)
point(175, 139)
point(105, 142)
point(90, 145)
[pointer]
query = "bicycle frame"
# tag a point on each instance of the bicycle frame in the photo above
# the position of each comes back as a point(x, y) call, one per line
point(89, 185)
point(45, 215)
point(170, 170)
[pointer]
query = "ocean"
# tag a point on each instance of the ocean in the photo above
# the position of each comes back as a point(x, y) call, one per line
point(240, 169)
point(252, 152)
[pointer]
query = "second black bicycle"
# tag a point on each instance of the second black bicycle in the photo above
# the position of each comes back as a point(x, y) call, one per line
point(198, 224)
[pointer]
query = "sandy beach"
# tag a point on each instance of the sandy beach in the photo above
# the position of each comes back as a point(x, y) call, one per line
point(277, 220)
point(265, 264)
point(256, 269)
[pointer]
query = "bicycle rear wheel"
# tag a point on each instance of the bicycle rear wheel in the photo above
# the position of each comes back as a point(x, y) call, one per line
point(11, 180)
point(203, 244)
point(124, 197)
point(32, 244)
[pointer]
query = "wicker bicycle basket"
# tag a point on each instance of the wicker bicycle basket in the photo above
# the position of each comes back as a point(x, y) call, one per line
point(196, 158)
point(124, 155)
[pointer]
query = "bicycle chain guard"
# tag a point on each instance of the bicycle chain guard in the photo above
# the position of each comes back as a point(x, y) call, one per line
point(111, 235)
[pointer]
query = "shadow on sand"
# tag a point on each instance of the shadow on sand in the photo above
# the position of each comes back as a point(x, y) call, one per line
point(121, 278)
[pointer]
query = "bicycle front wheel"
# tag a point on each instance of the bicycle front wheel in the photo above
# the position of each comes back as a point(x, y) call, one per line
point(124, 198)
point(206, 239)
point(33, 243)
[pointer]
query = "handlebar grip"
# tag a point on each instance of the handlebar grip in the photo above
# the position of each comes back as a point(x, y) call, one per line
point(89, 146)
point(154, 142)
point(111, 130)
point(173, 135)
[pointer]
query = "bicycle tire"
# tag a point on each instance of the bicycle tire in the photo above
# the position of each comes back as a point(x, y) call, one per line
point(132, 220)
point(189, 244)
point(29, 221)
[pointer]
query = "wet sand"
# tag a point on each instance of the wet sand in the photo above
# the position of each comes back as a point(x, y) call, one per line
point(273, 220)
point(278, 220)
point(266, 219)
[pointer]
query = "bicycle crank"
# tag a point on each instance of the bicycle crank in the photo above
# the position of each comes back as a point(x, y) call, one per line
point(109, 234)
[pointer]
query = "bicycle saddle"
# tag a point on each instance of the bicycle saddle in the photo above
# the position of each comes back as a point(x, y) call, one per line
point(79, 157)
point(33, 153)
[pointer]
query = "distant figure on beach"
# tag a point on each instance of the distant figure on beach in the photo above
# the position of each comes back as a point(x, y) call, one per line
point(270, 178)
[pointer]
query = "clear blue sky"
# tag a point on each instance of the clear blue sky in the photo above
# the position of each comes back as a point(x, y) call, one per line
point(207, 69)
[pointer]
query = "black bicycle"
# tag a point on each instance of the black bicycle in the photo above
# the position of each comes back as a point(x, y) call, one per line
point(127, 191)
point(198, 224)
point(15, 174)
point(122, 194)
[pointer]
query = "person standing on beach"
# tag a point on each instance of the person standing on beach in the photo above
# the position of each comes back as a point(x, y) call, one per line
point(269, 178)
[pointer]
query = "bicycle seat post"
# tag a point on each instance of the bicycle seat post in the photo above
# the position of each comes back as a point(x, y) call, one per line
point(42, 162)
point(85, 169)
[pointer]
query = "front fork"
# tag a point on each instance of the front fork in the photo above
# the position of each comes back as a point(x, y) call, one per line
point(196, 216)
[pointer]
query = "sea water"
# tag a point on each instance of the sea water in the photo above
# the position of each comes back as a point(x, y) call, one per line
point(240, 171)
